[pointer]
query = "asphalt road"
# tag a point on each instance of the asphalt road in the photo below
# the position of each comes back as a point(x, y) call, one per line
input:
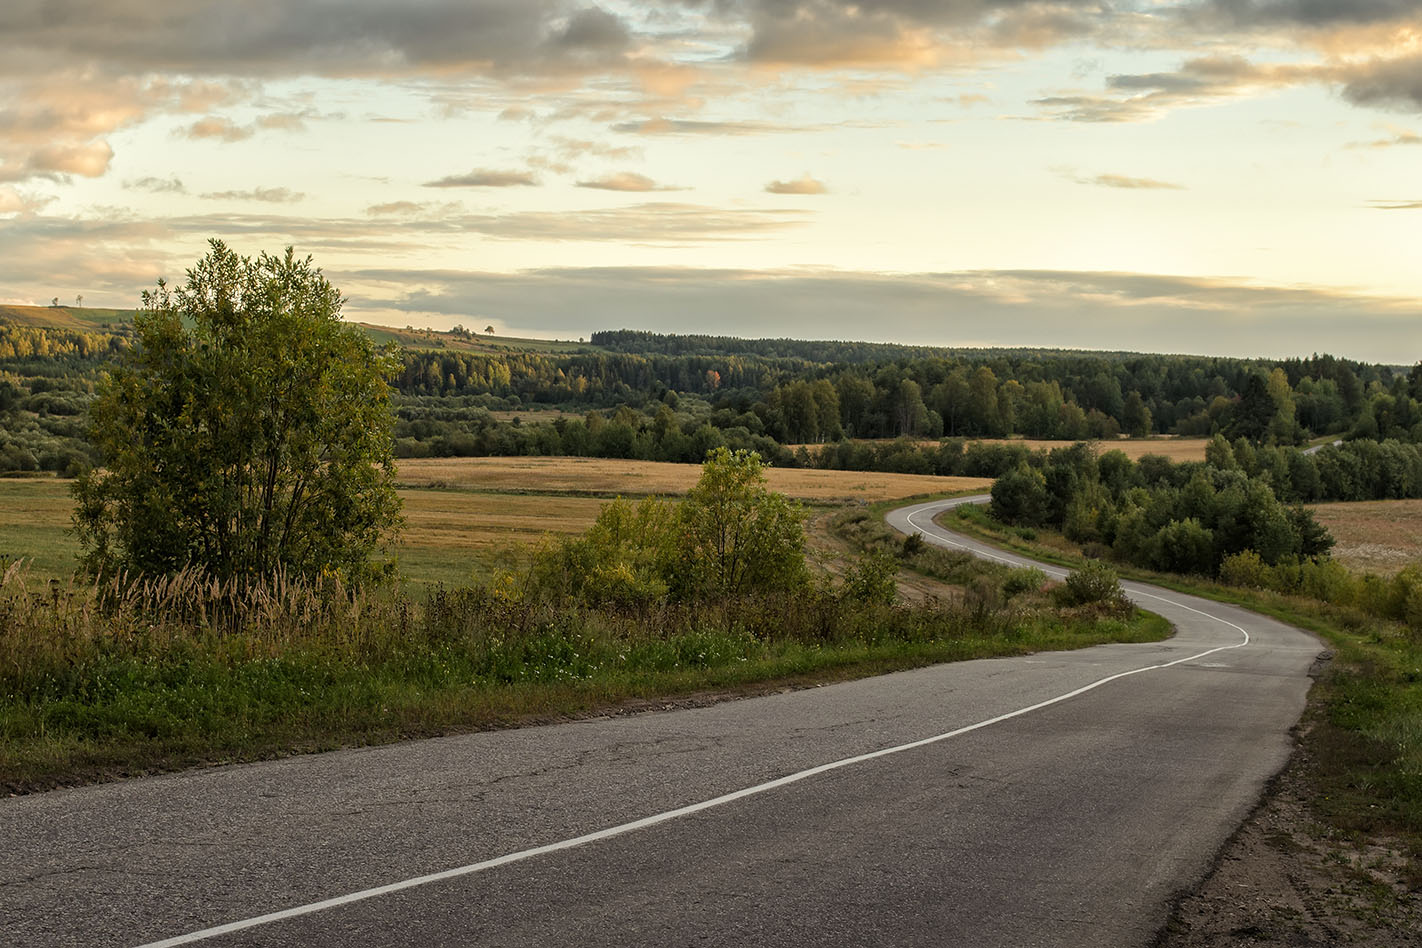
point(1058, 799)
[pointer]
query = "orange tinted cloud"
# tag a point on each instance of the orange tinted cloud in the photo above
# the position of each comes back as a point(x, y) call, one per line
point(626, 181)
point(801, 185)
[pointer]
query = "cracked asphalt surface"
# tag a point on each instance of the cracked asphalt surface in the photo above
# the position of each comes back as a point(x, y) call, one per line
point(1075, 824)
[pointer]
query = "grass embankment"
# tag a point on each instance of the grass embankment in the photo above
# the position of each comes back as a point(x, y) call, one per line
point(178, 674)
point(1363, 733)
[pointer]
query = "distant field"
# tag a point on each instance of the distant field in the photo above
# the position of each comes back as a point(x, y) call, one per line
point(1177, 449)
point(64, 317)
point(604, 476)
point(93, 318)
point(1376, 536)
point(429, 339)
point(536, 415)
point(449, 533)
point(482, 512)
point(34, 515)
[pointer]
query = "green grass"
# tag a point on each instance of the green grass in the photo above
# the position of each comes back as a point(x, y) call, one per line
point(34, 524)
point(1364, 721)
point(87, 695)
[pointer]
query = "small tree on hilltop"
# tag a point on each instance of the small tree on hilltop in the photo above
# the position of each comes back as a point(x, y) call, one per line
point(249, 432)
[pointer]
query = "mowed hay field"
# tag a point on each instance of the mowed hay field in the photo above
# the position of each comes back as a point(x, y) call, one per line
point(447, 535)
point(34, 525)
point(478, 513)
point(1177, 449)
point(601, 476)
point(1375, 536)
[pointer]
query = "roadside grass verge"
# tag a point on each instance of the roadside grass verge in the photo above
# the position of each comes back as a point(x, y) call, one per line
point(97, 684)
point(1363, 727)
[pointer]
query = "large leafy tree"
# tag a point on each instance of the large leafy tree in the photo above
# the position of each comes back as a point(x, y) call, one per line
point(734, 535)
point(249, 431)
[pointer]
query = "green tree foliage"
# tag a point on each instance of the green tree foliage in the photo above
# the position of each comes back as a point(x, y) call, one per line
point(249, 432)
point(1020, 497)
point(734, 534)
point(1187, 518)
point(762, 394)
point(729, 537)
point(1094, 584)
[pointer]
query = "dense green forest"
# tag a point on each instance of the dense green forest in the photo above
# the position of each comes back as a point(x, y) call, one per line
point(657, 397)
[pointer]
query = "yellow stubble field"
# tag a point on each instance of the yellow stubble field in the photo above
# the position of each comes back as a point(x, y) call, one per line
point(1177, 449)
point(467, 514)
point(1374, 536)
point(635, 478)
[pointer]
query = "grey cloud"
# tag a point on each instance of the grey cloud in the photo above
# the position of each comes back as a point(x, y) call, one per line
point(1396, 205)
point(593, 28)
point(265, 195)
point(157, 185)
point(292, 37)
point(1093, 108)
point(486, 178)
point(1129, 183)
point(908, 33)
point(666, 126)
point(1198, 81)
point(1308, 13)
point(1387, 83)
point(406, 227)
point(1158, 82)
point(1141, 312)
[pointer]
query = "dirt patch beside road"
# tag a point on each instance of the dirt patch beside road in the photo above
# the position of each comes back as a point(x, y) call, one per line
point(1283, 881)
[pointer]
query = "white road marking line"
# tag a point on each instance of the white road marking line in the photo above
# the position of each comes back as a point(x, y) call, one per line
point(624, 828)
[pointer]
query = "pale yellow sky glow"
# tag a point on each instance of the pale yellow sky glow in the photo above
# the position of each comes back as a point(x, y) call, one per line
point(1216, 176)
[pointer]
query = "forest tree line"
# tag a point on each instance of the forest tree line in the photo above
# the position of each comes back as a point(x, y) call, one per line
point(690, 394)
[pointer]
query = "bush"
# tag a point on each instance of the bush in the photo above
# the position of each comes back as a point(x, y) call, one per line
point(1093, 584)
point(1246, 569)
point(871, 580)
point(730, 537)
point(1023, 579)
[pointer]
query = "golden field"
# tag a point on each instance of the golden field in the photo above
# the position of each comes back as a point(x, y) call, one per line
point(601, 476)
point(1177, 449)
point(1375, 536)
point(470, 513)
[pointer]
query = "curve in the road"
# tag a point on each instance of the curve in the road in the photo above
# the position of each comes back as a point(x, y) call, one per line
point(917, 519)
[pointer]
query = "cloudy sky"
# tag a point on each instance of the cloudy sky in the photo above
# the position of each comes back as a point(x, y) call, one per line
point(1215, 176)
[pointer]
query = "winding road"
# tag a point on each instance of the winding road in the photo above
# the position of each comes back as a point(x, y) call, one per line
point(1058, 799)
